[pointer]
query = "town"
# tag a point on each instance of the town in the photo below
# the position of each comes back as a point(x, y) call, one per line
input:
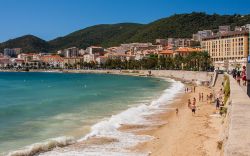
point(225, 48)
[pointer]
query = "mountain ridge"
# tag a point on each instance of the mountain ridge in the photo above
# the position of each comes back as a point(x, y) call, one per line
point(107, 35)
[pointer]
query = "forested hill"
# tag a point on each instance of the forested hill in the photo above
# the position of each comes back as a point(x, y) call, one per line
point(178, 25)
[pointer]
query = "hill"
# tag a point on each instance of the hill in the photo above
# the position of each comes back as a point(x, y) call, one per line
point(28, 43)
point(106, 35)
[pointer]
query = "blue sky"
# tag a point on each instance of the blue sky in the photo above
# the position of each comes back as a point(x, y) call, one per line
point(49, 19)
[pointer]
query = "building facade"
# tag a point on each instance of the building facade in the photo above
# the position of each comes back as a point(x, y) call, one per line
point(12, 52)
point(227, 50)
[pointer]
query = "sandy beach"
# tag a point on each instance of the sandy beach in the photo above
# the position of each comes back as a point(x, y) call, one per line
point(184, 134)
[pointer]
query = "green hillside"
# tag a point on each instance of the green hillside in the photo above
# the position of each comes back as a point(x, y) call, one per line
point(28, 43)
point(106, 35)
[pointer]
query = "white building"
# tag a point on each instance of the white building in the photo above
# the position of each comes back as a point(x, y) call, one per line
point(12, 52)
point(70, 52)
point(89, 58)
point(94, 50)
point(101, 59)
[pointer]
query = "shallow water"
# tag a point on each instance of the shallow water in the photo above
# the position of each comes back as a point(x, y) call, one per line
point(37, 106)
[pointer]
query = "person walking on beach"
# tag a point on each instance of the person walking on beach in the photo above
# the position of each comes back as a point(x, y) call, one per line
point(199, 97)
point(194, 101)
point(189, 103)
point(193, 109)
point(211, 97)
point(217, 104)
point(194, 89)
point(202, 97)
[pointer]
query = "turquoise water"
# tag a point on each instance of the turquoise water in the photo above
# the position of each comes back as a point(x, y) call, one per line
point(38, 106)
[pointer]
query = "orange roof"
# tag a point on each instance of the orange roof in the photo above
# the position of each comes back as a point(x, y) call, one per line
point(188, 50)
point(167, 52)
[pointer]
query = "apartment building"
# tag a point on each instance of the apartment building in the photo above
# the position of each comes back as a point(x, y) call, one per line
point(227, 50)
point(12, 52)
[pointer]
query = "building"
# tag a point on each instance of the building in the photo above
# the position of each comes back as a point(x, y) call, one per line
point(162, 42)
point(101, 60)
point(4, 61)
point(167, 53)
point(53, 60)
point(179, 42)
point(202, 34)
point(184, 51)
point(224, 29)
point(70, 52)
point(227, 50)
point(26, 57)
point(77, 61)
point(89, 58)
point(94, 50)
point(17, 62)
point(12, 52)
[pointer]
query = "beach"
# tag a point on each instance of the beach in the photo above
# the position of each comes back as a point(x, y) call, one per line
point(184, 134)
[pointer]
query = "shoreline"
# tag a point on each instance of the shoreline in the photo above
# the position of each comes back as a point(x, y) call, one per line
point(136, 128)
point(70, 141)
point(126, 131)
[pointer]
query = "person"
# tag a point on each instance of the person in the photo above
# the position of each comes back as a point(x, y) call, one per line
point(194, 89)
point(217, 104)
point(234, 73)
point(244, 76)
point(238, 77)
point(194, 100)
point(211, 97)
point(193, 108)
point(189, 103)
point(176, 111)
point(199, 97)
point(202, 97)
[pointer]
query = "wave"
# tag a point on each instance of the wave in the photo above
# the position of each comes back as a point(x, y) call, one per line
point(43, 146)
point(109, 128)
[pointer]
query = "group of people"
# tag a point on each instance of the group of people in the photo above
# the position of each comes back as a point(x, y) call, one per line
point(238, 75)
point(192, 104)
point(192, 89)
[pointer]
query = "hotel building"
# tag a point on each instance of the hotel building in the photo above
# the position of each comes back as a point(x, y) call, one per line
point(227, 50)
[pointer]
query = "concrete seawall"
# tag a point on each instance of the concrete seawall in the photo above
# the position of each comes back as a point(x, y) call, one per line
point(185, 75)
point(238, 143)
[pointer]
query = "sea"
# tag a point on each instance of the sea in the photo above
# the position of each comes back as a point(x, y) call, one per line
point(41, 110)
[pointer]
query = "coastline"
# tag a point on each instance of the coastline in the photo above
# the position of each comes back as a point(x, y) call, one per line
point(140, 130)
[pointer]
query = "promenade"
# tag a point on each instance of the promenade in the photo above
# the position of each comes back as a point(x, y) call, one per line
point(238, 143)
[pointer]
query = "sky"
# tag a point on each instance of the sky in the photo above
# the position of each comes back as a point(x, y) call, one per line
point(49, 19)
